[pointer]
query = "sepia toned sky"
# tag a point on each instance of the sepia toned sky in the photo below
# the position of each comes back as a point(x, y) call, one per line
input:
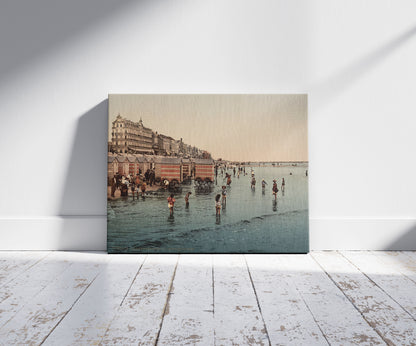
point(233, 127)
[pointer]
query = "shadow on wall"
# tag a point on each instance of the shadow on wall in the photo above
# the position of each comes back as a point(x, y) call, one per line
point(407, 242)
point(327, 90)
point(25, 27)
point(84, 192)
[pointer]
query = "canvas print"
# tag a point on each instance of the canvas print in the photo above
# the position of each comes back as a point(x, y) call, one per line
point(207, 174)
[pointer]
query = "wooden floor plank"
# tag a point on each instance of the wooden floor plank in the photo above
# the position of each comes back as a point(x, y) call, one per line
point(14, 263)
point(80, 299)
point(338, 319)
point(287, 317)
point(89, 319)
point(139, 318)
point(189, 316)
point(411, 255)
point(238, 320)
point(403, 262)
point(16, 293)
point(399, 287)
point(391, 322)
point(37, 318)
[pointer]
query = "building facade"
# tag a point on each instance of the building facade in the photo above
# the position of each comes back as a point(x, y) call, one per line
point(131, 137)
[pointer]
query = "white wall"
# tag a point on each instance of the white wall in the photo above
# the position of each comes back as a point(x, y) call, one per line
point(60, 59)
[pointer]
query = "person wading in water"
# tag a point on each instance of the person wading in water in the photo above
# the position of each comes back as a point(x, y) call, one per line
point(143, 188)
point(275, 189)
point(187, 199)
point(217, 205)
point(171, 203)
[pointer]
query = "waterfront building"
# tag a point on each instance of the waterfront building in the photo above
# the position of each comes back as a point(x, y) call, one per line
point(165, 144)
point(206, 154)
point(131, 137)
point(175, 147)
point(155, 145)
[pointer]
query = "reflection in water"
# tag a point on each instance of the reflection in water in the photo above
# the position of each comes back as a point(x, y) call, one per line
point(247, 224)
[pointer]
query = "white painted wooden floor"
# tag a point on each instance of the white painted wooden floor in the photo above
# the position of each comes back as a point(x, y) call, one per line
point(339, 298)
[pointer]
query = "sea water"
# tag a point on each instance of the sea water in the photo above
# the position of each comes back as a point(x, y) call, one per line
point(251, 222)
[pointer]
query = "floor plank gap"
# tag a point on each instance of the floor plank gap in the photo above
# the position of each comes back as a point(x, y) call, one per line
point(134, 279)
point(257, 300)
point(312, 314)
point(66, 313)
point(322, 298)
point(167, 301)
point(379, 287)
point(350, 300)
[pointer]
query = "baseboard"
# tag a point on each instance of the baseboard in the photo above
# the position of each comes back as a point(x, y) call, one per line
point(84, 233)
point(78, 233)
point(362, 234)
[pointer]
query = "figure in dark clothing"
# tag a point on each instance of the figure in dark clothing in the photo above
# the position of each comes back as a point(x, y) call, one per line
point(118, 180)
point(187, 199)
point(218, 205)
point(113, 186)
point(152, 177)
point(275, 189)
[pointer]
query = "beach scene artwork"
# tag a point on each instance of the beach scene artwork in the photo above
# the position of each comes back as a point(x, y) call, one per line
point(207, 173)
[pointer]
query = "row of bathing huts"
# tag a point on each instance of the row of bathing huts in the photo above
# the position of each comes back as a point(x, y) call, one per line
point(175, 170)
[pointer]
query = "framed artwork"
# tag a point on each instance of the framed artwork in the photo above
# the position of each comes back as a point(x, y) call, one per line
point(207, 173)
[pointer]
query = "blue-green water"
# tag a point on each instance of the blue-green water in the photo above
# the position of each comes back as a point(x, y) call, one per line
point(251, 222)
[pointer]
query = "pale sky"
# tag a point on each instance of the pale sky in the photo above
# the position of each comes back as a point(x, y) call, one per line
point(233, 127)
